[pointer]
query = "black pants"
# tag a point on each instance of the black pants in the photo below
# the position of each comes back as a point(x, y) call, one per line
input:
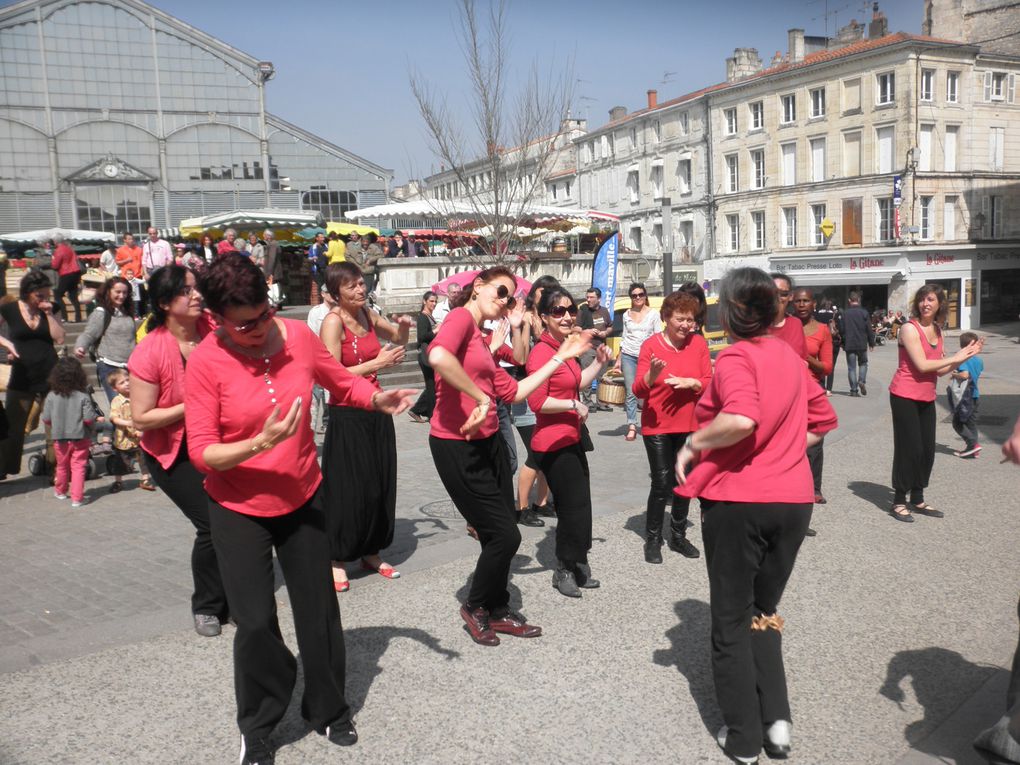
point(477, 476)
point(913, 447)
point(264, 668)
point(569, 479)
point(506, 430)
point(182, 483)
point(662, 449)
point(816, 459)
point(750, 549)
point(67, 285)
point(829, 377)
point(426, 402)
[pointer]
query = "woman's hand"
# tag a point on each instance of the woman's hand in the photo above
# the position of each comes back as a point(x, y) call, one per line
point(403, 321)
point(516, 316)
point(655, 368)
point(390, 355)
point(12, 352)
point(971, 349)
point(684, 459)
point(499, 335)
point(683, 383)
point(603, 354)
point(475, 420)
point(393, 401)
point(574, 345)
point(275, 430)
point(582, 410)
point(79, 352)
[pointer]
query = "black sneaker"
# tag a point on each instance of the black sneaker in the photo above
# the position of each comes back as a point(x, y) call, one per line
point(342, 733)
point(256, 751)
point(527, 517)
point(547, 510)
point(683, 546)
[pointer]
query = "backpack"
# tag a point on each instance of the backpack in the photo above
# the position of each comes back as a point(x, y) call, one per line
point(961, 399)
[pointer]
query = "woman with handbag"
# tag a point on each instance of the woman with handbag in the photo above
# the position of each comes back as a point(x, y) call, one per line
point(640, 322)
point(557, 440)
point(109, 335)
point(421, 412)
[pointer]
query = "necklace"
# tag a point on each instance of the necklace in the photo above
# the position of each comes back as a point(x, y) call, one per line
point(267, 363)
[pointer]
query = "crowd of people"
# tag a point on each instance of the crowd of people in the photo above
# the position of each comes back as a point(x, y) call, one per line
point(215, 405)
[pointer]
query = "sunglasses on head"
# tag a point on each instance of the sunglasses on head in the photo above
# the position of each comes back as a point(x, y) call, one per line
point(557, 312)
point(636, 295)
point(502, 293)
point(262, 318)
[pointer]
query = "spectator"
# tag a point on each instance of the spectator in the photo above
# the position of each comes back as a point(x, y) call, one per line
point(593, 316)
point(108, 260)
point(70, 416)
point(318, 261)
point(336, 250)
point(421, 412)
point(208, 249)
point(65, 262)
point(156, 253)
point(256, 250)
point(639, 324)
point(858, 339)
point(228, 244)
point(443, 307)
point(272, 267)
point(129, 256)
point(830, 316)
point(414, 249)
point(125, 435)
point(109, 335)
point(319, 410)
point(365, 256)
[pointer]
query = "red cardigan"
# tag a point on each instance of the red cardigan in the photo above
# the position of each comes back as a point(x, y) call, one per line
point(667, 410)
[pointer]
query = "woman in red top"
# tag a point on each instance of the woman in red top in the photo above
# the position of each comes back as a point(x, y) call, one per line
point(65, 263)
point(754, 483)
point(556, 439)
point(819, 360)
point(912, 398)
point(249, 391)
point(359, 453)
point(469, 453)
point(156, 366)
point(673, 369)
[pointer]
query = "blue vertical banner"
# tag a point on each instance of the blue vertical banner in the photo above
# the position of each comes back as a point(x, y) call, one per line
point(603, 273)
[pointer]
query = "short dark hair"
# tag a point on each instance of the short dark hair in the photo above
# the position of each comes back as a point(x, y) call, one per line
point(940, 295)
point(596, 290)
point(428, 295)
point(854, 296)
point(67, 376)
point(966, 338)
point(780, 275)
point(341, 274)
point(636, 285)
point(165, 284)
point(543, 282)
point(679, 302)
point(747, 303)
point(103, 296)
point(33, 281)
point(695, 290)
point(552, 296)
point(486, 276)
point(233, 281)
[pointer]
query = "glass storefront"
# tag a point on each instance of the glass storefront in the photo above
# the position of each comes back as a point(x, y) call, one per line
point(114, 207)
point(1000, 295)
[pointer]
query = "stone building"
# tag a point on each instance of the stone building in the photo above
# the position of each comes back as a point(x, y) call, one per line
point(115, 115)
point(992, 24)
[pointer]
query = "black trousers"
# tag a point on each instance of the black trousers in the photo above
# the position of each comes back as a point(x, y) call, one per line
point(913, 447)
point(829, 377)
point(816, 459)
point(569, 479)
point(426, 402)
point(67, 285)
point(478, 478)
point(182, 483)
point(264, 668)
point(662, 449)
point(750, 550)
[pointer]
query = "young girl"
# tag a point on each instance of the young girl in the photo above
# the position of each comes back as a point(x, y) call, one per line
point(69, 413)
point(125, 436)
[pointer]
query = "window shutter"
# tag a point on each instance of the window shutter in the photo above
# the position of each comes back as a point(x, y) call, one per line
point(987, 213)
point(988, 86)
point(1012, 88)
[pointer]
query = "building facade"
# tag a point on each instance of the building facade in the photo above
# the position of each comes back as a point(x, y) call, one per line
point(115, 115)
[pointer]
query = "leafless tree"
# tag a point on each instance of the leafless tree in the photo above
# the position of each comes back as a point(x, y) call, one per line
point(511, 140)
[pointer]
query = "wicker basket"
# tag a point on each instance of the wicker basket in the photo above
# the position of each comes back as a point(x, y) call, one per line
point(612, 392)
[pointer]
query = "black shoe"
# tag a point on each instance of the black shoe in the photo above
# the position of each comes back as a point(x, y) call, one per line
point(256, 751)
point(600, 407)
point(810, 532)
point(864, 389)
point(583, 577)
point(681, 544)
point(776, 741)
point(527, 517)
point(548, 510)
point(342, 733)
point(207, 625)
point(116, 487)
point(653, 549)
point(564, 581)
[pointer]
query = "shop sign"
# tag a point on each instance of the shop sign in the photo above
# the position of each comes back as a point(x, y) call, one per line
point(997, 256)
point(827, 227)
point(938, 259)
point(897, 190)
point(863, 264)
point(680, 277)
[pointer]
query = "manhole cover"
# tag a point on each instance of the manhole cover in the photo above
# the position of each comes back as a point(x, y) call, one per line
point(441, 508)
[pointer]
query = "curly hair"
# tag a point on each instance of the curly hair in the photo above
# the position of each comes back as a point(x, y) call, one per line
point(165, 284)
point(33, 281)
point(104, 297)
point(939, 293)
point(486, 276)
point(680, 302)
point(233, 281)
point(67, 376)
point(748, 303)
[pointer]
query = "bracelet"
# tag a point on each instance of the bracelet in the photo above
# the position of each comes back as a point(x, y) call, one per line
point(484, 404)
point(256, 447)
point(573, 404)
point(557, 359)
point(373, 401)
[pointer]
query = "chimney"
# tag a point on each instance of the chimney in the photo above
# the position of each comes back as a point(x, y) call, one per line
point(617, 113)
point(653, 99)
point(795, 45)
point(777, 59)
point(743, 63)
point(879, 26)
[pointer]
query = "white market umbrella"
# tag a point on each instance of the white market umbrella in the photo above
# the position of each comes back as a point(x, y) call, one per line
point(76, 235)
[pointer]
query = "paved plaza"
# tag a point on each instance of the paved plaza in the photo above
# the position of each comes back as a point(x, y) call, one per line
point(897, 640)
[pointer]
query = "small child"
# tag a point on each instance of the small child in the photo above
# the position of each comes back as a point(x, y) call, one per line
point(966, 412)
point(69, 413)
point(125, 437)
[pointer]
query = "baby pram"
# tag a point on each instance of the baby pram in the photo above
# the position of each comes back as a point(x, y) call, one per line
point(100, 451)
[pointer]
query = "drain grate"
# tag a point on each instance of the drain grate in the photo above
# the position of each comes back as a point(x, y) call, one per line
point(441, 508)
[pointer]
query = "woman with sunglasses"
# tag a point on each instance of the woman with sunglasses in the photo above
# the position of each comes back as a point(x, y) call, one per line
point(556, 440)
point(359, 453)
point(249, 391)
point(469, 453)
point(639, 324)
point(176, 326)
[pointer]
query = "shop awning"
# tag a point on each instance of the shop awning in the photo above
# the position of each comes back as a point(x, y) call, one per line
point(850, 278)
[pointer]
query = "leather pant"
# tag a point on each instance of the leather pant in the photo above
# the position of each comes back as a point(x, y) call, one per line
point(662, 449)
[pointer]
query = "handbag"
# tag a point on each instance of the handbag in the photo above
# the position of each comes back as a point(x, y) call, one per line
point(586, 442)
point(956, 391)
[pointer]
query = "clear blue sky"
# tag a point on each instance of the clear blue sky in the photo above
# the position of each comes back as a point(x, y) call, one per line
point(342, 65)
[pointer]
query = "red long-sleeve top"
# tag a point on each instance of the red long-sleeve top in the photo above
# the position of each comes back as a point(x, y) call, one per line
point(668, 410)
point(228, 399)
point(554, 430)
point(766, 381)
point(819, 346)
point(65, 261)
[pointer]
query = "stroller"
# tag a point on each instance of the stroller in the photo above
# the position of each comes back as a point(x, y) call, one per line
point(100, 453)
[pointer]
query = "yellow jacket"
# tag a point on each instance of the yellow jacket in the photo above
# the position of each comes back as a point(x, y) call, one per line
point(336, 251)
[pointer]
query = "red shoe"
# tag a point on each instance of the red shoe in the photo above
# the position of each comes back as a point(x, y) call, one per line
point(512, 623)
point(477, 621)
point(389, 572)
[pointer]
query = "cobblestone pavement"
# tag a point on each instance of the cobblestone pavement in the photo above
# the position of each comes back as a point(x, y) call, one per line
point(897, 644)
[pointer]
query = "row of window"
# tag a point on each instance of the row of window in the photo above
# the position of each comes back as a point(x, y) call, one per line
point(651, 133)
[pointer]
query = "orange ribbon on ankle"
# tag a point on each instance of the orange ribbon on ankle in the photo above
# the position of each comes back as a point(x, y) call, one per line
point(762, 623)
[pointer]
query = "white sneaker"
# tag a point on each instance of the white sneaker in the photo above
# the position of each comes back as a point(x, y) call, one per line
point(720, 739)
point(79, 504)
point(59, 496)
point(777, 739)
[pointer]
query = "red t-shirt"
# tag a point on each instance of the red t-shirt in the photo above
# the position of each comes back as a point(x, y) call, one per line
point(907, 381)
point(228, 399)
point(667, 410)
point(554, 430)
point(459, 335)
point(764, 380)
point(792, 332)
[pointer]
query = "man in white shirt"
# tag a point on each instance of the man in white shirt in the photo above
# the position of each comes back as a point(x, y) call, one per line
point(320, 397)
point(156, 253)
point(443, 308)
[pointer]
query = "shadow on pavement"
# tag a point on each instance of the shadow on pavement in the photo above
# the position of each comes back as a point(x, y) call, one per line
point(942, 680)
point(880, 495)
point(620, 430)
point(407, 533)
point(690, 653)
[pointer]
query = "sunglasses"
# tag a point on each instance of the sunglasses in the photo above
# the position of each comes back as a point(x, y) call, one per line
point(636, 295)
point(251, 326)
point(557, 312)
point(502, 293)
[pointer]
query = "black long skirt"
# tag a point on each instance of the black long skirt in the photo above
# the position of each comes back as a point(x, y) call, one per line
point(359, 482)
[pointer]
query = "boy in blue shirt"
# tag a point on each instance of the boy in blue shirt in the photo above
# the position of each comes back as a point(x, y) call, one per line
point(966, 413)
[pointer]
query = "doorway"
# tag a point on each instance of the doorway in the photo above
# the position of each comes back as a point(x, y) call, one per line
point(952, 288)
point(1000, 295)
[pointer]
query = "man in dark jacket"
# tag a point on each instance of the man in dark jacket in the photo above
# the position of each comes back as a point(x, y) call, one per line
point(858, 339)
point(592, 315)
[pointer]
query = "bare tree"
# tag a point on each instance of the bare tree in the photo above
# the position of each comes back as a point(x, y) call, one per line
point(498, 184)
